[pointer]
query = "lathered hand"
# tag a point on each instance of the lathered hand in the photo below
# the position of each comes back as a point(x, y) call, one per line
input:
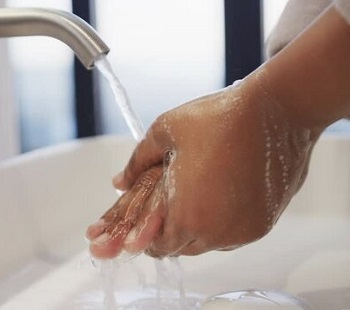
point(237, 159)
point(108, 235)
point(239, 155)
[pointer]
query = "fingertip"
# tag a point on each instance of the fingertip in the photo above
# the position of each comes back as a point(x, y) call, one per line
point(95, 229)
point(119, 181)
point(104, 247)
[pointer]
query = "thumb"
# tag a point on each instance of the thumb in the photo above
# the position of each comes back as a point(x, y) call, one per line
point(148, 153)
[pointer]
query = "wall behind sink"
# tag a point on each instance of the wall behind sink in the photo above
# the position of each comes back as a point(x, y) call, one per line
point(9, 138)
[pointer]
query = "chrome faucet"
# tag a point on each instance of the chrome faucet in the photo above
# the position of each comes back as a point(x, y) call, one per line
point(64, 26)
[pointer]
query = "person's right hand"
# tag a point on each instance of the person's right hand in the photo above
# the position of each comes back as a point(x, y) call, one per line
point(232, 161)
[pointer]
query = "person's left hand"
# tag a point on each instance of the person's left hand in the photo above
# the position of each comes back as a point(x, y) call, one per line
point(109, 232)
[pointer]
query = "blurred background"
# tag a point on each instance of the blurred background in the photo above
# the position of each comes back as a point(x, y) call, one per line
point(164, 53)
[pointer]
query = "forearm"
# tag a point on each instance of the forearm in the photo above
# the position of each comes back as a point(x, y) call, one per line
point(311, 76)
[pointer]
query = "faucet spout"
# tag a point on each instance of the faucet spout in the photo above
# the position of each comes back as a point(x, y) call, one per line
point(64, 26)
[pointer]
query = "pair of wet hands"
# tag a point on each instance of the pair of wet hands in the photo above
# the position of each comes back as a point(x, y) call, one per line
point(115, 230)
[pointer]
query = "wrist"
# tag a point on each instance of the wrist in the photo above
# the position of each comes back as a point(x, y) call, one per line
point(311, 76)
point(281, 144)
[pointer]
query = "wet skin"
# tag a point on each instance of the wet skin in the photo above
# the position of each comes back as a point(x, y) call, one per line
point(241, 154)
point(107, 236)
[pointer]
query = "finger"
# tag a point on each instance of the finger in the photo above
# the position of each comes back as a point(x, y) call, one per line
point(106, 246)
point(140, 237)
point(122, 217)
point(96, 229)
point(149, 223)
point(99, 227)
point(148, 153)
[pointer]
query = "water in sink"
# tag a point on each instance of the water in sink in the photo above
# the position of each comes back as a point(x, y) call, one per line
point(254, 300)
point(167, 293)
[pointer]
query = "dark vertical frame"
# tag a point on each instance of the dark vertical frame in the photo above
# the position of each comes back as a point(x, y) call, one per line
point(84, 83)
point(243, 38)
point(243, 53)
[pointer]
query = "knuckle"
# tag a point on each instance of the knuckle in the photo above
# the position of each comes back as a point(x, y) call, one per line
point(159, 130)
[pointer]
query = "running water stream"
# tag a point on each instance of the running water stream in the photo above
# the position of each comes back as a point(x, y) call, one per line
point(121, 98)
point(163, 298)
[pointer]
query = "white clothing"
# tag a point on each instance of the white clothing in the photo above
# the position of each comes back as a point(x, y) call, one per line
point(296, 16)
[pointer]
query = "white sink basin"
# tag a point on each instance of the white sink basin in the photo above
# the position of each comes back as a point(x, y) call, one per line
point(48, 197)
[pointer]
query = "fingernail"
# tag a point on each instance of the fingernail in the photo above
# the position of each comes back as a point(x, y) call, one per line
point(99, 222)
point(132, 236)
point(101, 240)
